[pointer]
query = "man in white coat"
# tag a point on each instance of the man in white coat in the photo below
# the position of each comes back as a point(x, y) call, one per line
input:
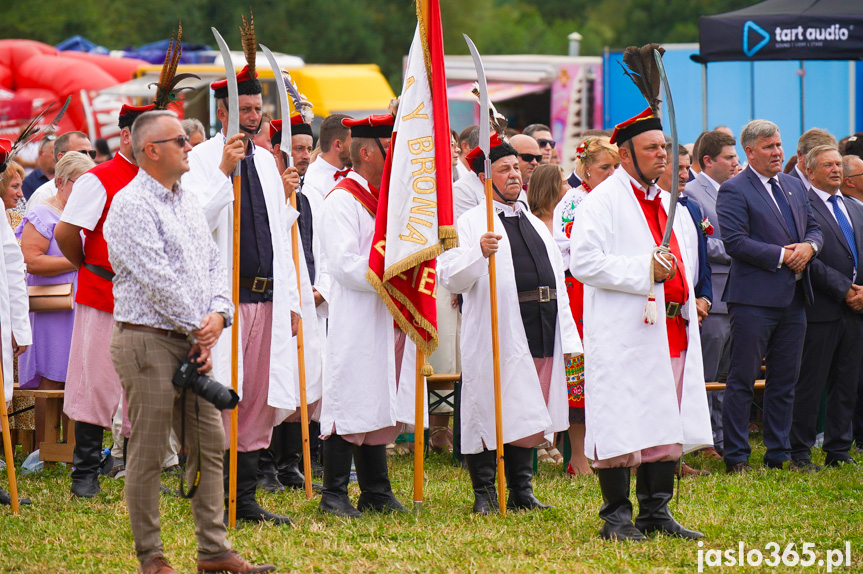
point(364, 407)
point(269, 301)
point(280, 464)
point(15, 334)
point(645, 399)
point(536, 330)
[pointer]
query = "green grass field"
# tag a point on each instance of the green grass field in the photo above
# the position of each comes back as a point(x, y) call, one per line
point(58, 534)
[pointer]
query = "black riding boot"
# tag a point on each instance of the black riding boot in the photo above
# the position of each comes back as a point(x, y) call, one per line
point(6, 499)
point(247, 481)
point(376, 493)
point(654, 488)
point(337, 475)
point(86, 458)
point(616, 509)
point(316, 448)
point(518, 465)
point(483, 468)
point(289, 463)
point(268, 478)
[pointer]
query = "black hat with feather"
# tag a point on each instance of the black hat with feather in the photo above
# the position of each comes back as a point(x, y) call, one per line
point(247, 79)
point(645, 75)
point(167, 91)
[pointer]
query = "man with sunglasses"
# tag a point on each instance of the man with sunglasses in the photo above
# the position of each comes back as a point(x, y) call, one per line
point(68, 142)
point(529, 156)
point(542, 134)
point(269, 299)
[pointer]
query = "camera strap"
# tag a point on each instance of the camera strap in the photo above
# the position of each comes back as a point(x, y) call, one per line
point(194, 486)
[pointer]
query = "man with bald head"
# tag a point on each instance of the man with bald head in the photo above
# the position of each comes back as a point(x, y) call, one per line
point(852, 178)
point(646, 396)
point(68, 142)
point(529, 156)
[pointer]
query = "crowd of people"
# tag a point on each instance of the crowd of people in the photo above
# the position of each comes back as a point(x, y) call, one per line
point(605, 336)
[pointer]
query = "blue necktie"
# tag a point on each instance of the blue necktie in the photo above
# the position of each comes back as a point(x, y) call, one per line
point(784, 208)
point(845, 226)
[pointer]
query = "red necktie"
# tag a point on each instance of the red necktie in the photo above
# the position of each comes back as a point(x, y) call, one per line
point(340, 174)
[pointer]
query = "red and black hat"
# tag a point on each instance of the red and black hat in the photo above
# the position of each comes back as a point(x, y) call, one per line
point(128, 114)
point(643, 122)
point(499, 148)
point(5, 152)
point(247, 85)
point(298, 127)
point(374, 126)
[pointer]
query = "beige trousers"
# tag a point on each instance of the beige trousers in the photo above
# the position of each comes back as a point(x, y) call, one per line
point(146, 362)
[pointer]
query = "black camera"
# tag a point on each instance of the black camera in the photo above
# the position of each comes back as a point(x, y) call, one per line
point(208, 388)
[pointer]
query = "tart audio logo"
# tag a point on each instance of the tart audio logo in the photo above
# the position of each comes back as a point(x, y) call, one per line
point(755, 38)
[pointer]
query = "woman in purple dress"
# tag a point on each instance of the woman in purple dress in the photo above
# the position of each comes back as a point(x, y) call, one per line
point(43, 364)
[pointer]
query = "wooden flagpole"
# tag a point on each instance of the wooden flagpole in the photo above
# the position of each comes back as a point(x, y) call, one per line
point(419, 404)
point(235, 356)
point(301, 360)
point(495, 348)
point(419, 434)
point(7, 447)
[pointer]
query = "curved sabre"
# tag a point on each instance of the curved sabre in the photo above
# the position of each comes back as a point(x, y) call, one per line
point(233, 96)
point(675, 145)
point(484, 127)
point(283, 101)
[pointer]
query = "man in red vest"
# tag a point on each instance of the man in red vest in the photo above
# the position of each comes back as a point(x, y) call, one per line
point(92, 385)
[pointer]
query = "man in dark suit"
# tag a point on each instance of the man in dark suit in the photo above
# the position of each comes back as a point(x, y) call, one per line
point(770, 233)
point(834, 332)
point(718, 160)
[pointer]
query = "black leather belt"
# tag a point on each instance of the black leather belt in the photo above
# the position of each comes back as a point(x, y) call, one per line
point(155, 330)
point(100, 271)
point(257, 284)
point(673, 309)
point(541, 294)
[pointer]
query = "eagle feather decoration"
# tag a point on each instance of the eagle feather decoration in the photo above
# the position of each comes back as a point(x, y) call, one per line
point(302, 105)
point(643, 72)
point(32, 129)
point(166, 88)
point(497, 120)
point(250, 43)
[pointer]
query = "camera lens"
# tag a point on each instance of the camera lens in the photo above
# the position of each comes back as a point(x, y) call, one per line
point(213, 391)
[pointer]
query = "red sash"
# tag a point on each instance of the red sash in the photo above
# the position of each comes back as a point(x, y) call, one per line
point(95, 291)
point(366, 199)
point(676, 290)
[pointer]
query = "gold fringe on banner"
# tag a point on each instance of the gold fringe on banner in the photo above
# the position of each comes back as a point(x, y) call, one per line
point(423, 26)
point(448, 236)
point(412, 261)
point(387, 293)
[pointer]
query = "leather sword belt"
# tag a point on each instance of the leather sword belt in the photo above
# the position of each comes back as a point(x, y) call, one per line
point(673, 309)
point(541, 294)
point(257, 284)
point(155, 330)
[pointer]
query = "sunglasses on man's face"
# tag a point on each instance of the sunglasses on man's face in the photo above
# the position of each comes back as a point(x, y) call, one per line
point(90, 152)
point(529, 157)
point(543, 143)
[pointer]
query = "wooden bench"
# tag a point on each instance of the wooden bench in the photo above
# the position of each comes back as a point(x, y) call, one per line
point(759, 386)
point(437, 386)
point(52, 450)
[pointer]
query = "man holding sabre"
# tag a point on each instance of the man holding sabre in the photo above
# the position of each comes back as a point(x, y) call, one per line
point(646, 403)
point(268, 297)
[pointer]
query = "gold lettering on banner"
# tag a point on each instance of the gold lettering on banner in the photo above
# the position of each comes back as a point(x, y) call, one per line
point(380, 247)
point(416, 115)
point(427, 165)
point(414, 236)
point(425, 206)
point(419, 145)
point(428, 279)
point(409, 82)
point(419, 221)
point(427, 180)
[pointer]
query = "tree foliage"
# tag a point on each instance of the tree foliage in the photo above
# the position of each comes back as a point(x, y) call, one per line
point(378, 31)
